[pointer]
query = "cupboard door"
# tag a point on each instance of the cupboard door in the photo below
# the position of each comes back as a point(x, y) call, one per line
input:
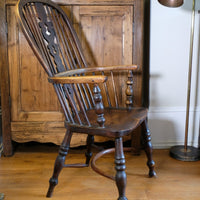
point(35, 110)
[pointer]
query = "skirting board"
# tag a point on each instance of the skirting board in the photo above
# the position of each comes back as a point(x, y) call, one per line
point(167, 126)
point(169, 145)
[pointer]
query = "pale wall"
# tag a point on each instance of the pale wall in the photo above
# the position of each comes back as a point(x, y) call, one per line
point(169, 62)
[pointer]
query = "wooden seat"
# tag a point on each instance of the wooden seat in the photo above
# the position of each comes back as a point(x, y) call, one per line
point(114, 120)
point(89, 97)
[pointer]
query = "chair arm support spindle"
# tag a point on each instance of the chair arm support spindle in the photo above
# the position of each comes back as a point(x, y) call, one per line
point(99, 108)
point(129, 90)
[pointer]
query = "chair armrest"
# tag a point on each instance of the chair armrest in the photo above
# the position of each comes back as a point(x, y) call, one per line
point(97, 69)
point(77, 79)
point(99, 108)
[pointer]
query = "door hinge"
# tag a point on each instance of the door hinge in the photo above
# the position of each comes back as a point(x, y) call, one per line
point(9, 101)
point(6, 28)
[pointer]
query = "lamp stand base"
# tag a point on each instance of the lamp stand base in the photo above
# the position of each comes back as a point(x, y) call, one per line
point(179, 153)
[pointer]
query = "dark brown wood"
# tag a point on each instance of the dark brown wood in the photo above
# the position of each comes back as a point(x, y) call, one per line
point(129, 90)
point(88, 154)
point(56, 45)
point(148, 148)
point(146, 57)
point(129, 120)
point(99, 108)
point(4, 77)
point(99, 155)
point(120, 168)
point(60, 162)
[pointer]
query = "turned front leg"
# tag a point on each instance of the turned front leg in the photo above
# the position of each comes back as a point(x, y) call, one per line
point(59, 163)
point(120, 167)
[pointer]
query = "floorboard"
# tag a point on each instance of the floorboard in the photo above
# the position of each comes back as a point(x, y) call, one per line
point(25, 175)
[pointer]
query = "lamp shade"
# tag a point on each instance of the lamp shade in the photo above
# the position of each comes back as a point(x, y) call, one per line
point(171, 3)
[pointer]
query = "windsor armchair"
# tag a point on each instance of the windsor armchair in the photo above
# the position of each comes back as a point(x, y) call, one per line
point(88, 96)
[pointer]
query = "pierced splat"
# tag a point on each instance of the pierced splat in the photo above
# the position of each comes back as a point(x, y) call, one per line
point(48, 33)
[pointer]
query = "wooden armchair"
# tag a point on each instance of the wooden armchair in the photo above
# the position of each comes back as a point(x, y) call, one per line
point(85, 93)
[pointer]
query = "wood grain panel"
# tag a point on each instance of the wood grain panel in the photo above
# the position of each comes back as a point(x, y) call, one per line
point(30, 91)
point(36, 94)
point(51, 132)
point(4, 78)
point(106, 36)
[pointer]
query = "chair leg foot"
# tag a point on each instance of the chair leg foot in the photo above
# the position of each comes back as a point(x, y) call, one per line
point(151, 165)
point(52, 183)
point(148, 149)
point(120, 168)
point(122, 198)
point(59, 163)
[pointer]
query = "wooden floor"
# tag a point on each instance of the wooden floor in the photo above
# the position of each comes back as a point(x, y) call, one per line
point(25, 176)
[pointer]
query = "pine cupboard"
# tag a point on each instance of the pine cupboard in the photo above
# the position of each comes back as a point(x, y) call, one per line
point(111, 33)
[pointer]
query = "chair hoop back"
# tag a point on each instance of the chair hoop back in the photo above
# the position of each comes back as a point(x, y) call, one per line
point(56, 45)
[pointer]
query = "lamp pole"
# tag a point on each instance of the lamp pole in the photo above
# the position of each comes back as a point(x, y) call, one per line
point(189, 76)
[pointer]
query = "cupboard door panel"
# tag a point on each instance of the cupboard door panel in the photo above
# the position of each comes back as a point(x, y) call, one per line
point(106, 37)
point(32, 97)
point(108, 32)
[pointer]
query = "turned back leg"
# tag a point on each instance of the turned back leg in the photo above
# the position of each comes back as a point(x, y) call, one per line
point(88, 154)
point(148, 148)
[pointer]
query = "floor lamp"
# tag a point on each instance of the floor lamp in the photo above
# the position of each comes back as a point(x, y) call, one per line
point(185, 152)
